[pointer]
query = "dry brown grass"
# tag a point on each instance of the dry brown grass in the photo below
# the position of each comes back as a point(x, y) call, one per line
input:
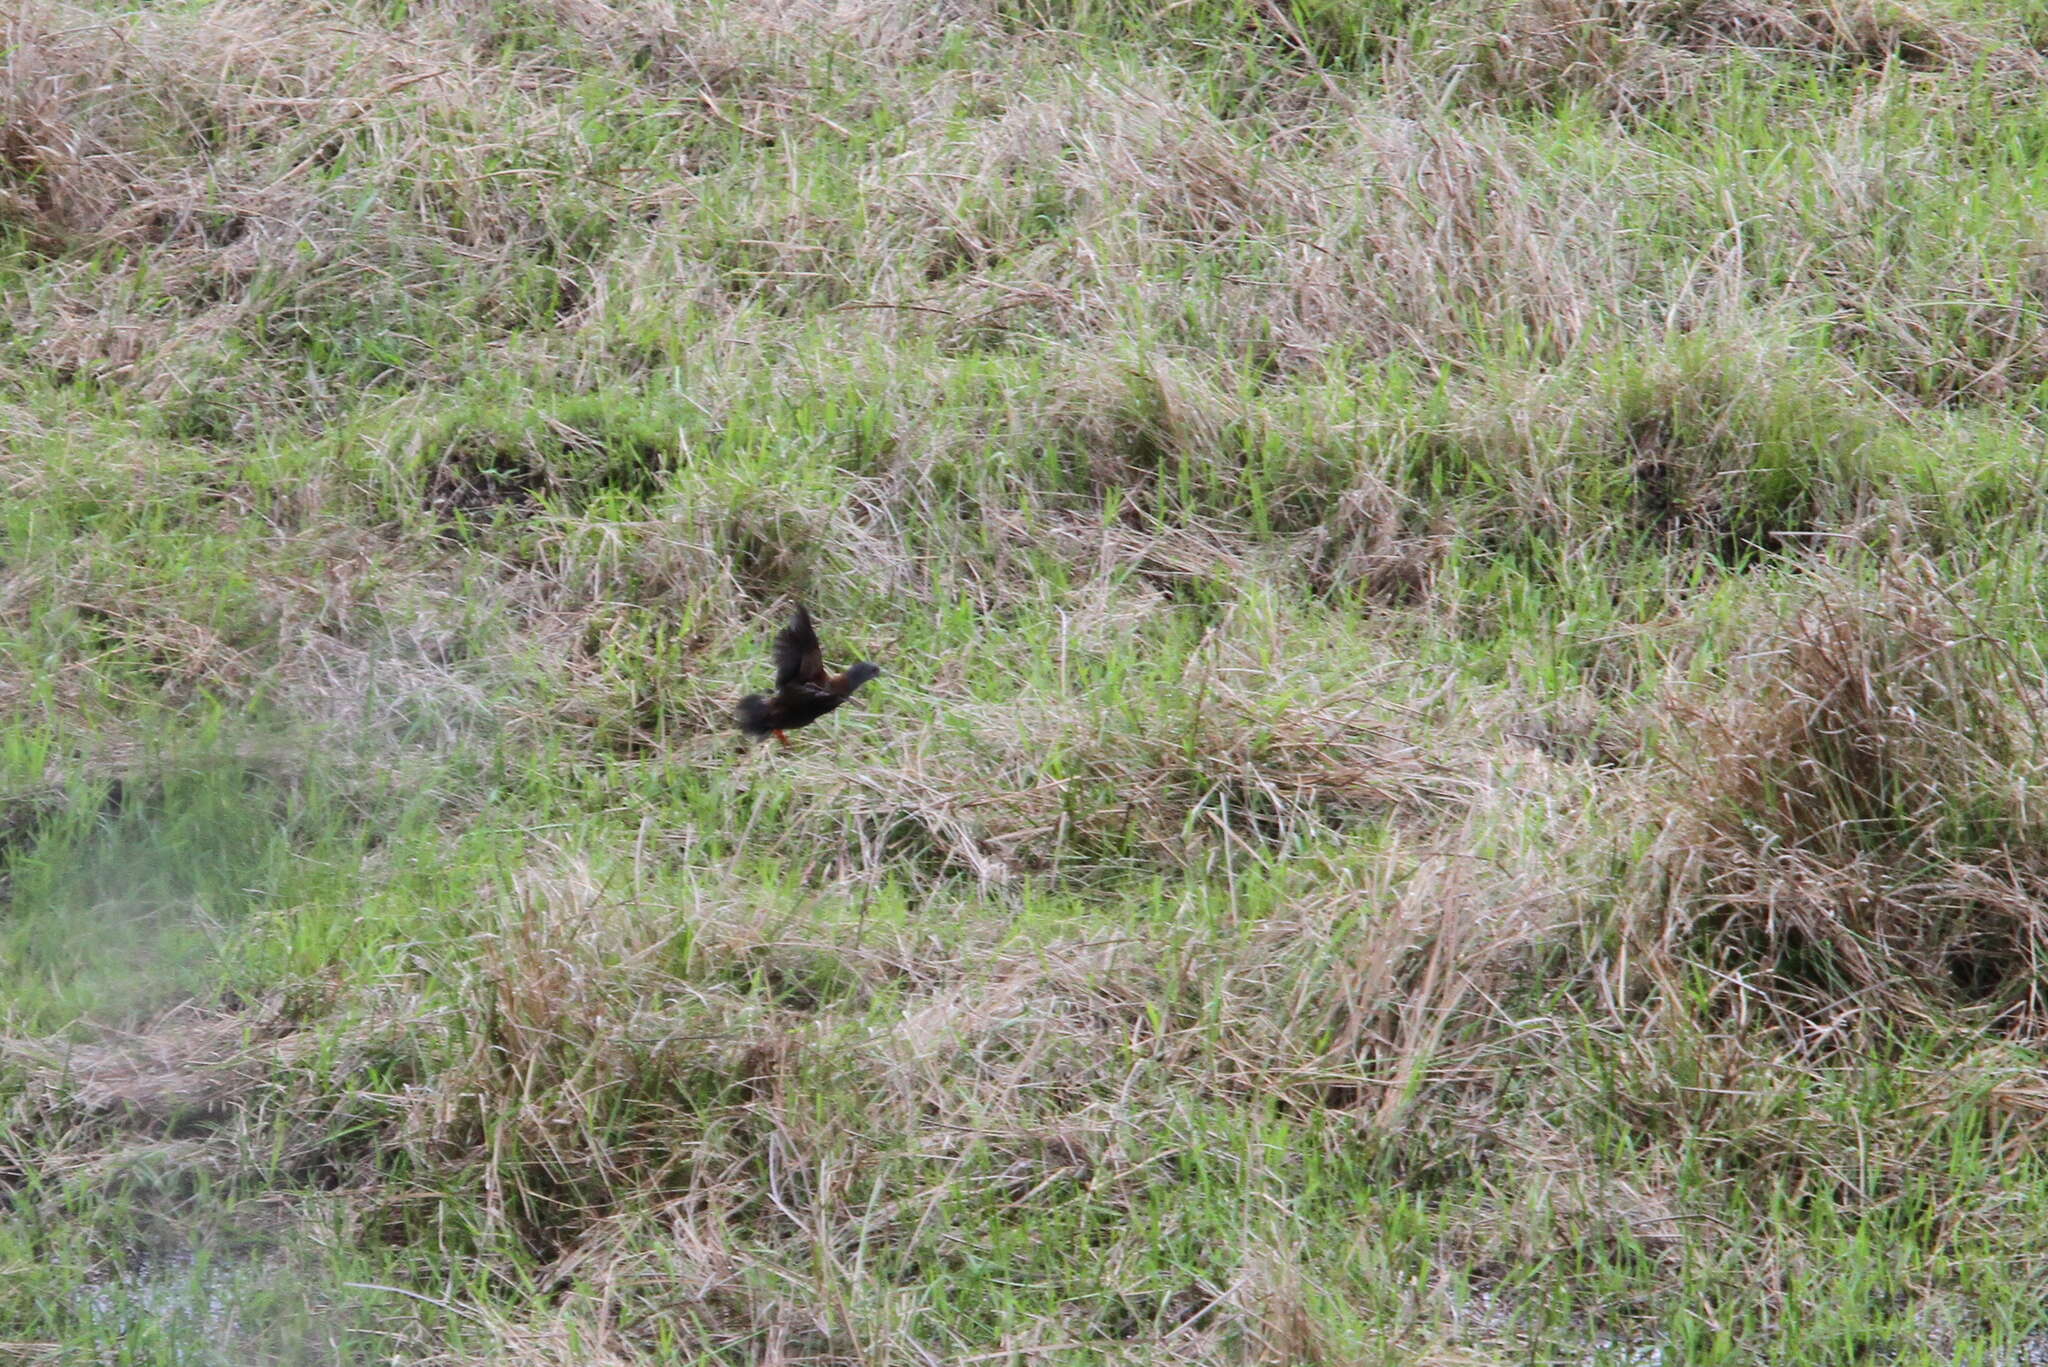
point(1637, 59)
point(634, 1091)
point(346, 185)
point(1241, 755)
point(1863, 833)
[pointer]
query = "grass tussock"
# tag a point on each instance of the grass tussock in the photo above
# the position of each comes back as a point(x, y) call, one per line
point(1864, 822)
point(1636, 60)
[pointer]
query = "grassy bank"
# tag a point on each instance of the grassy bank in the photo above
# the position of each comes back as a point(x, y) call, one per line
point(1456, 774)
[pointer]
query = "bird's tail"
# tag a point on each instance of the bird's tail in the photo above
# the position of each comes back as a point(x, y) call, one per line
point(752, 715)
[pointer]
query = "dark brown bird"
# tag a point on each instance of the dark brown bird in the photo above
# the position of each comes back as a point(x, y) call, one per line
point(803, 692)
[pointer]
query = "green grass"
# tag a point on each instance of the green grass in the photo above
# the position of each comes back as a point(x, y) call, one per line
point(1455, 780)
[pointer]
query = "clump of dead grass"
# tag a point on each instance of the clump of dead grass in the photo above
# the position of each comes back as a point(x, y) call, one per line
point(1239, 757)
point(1862, 840)
point(1634, 59)
point(595, 1070)
point(221, 1083)
point(236, 153)
point(1717, 447)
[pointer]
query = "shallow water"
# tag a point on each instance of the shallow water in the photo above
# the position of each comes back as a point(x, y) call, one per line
point(181, 1301)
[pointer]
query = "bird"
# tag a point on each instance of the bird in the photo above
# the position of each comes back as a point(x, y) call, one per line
point(804, 691)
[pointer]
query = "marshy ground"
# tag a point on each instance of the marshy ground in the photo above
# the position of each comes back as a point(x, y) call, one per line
point(1460, 773)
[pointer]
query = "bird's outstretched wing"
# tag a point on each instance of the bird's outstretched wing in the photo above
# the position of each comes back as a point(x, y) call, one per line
point(798, 657)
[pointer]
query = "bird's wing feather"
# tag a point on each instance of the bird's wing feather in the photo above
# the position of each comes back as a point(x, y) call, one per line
point(798, 657)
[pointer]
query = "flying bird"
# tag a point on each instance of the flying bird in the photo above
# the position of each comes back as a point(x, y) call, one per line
point(803, 692)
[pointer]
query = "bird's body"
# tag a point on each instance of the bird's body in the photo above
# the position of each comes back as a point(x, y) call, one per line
point(804, 691)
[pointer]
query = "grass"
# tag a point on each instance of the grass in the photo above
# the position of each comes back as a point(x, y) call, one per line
point(1455, 781)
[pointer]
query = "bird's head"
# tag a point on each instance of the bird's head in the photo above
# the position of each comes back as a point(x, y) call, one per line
point(861, 673)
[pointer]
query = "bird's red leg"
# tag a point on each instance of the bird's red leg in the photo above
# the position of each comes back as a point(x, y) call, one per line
point(784, 739)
